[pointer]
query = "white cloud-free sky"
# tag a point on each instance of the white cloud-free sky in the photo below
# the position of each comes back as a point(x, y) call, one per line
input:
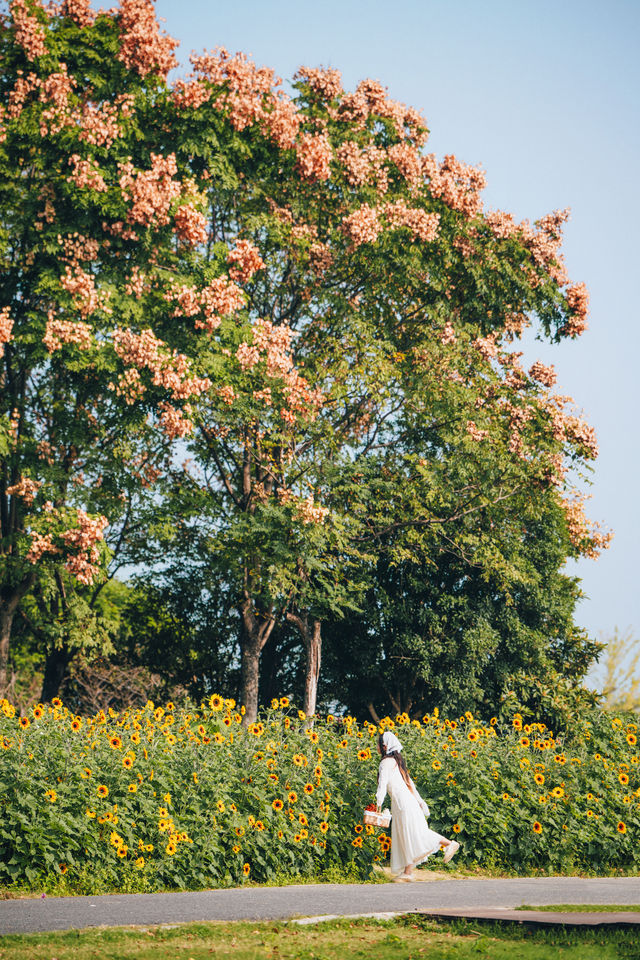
point(543, 94)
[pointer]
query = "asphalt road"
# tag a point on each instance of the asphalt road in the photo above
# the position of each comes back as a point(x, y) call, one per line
point(281, 903)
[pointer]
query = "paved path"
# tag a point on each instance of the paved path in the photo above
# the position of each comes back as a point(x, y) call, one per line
point(281, 903)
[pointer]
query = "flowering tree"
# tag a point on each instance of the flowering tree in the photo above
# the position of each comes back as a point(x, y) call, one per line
point(95, 381)
point(362, 330)
point(294, 289)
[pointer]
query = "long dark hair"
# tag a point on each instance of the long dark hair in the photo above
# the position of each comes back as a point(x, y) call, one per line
point(399, 759)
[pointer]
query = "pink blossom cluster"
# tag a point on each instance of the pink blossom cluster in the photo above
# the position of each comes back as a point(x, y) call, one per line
point(547, 376)
point(308, 511)
point(364, 165)
point(6, 327)
point(17, 97)
point(60, 331)
point(475, 432)
point(326, 83)
point(143, 47)
point(137, 284)
point(218, 299)
point(362, 226)
point(151, 192)
point(272, 344)
point(129, 386)
point(76, 247)
point(83, 539)
point(423, 225)
point(320, 258)
point(190, 94)
point(169, 370)
point(54, 93)
point(30, 33)
point(314, 153)
point(82, 288)
point(40, 545)
point(244, 261)
point(457, 184)
point(86, 174)
point(448, 334)
point(578, 304)
point(172, 421)
point(79, 11)
point(486, 346)
point(190, 225)
point(249, 94)
point(370, 100)
point(581, 433)
point(408, 160)
point(585, 535)
point(100, 124)
point(227, 394)
point(25, 488)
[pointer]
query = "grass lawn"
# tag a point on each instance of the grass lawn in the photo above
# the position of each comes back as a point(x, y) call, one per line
point(585, 907)
point(405, 938)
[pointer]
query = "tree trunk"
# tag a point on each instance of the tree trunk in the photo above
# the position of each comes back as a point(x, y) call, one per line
point(8, 609)
point(253, 638)
point(55, 669)
point(6, 621)
point(312, 639)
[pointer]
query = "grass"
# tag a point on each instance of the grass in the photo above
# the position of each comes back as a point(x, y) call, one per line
point(405, 938)
point(585, 907)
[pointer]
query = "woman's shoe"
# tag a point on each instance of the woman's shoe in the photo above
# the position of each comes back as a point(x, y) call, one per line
point(451, 851)
point(403, 878)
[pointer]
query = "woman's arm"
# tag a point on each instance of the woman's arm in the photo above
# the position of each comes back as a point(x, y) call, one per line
point(423, 804)
point(383, 780)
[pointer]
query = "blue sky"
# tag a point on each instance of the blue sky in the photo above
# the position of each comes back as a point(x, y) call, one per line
point(543, 95)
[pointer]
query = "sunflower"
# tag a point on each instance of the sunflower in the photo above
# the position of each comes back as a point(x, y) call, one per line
point(537, 826)
point(76, 724)
point(436, 764)
point(240, 831)
point(524, 741)
point(51, 796)
point(216, 702)
point(343, 744)
point(560, 758)
point(297, 838)
point(170, 849)
point(356, 842)
point(557, 792)
point(623, 778)
point(246, 869)
point(133, 787)
point(62, 867)
point(622, 827)
point(456, 828)
point(364, 754)
point(127, 762)
point(259, 825)
point(277, 804)
point(24, 722)
point(324, 826)
point(37, 712)
point(358, 828)
point(220, 805)
point(539, 779)
point(56, 702)
point(308, 788)
point(139, 863)
point(292, 796)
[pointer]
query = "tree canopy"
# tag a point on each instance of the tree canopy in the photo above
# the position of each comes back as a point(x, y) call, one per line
point(273, 331)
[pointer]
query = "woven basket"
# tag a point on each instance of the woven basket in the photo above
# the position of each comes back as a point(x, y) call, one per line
point(375, 819)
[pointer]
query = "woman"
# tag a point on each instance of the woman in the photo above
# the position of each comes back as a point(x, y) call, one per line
point(411, 839)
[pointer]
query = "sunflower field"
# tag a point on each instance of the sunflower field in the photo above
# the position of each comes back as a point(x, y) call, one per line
point(189, 797)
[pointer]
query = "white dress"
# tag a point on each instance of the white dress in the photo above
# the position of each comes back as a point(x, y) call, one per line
point(412, 841)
